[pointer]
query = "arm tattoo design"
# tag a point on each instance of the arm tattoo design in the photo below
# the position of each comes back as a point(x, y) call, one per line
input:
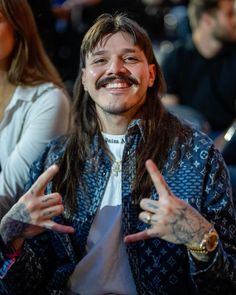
point(14, 223)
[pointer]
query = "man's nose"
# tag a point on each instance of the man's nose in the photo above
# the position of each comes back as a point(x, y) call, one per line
point(117, 66)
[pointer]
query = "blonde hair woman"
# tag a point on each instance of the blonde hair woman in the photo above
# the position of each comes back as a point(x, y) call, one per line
point(33, 105)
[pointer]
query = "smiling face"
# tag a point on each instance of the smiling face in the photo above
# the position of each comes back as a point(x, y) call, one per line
point(117, 76)
point(7, 42)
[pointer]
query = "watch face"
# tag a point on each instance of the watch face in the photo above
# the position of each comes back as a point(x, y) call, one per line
point(211, 241)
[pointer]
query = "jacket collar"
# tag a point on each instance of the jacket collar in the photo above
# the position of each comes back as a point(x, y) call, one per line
point(136, 124)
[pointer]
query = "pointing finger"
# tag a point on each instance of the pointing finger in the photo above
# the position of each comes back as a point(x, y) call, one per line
point(157, 179)
point(41, 183)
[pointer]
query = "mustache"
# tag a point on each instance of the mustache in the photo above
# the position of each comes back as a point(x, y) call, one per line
point(107, 80)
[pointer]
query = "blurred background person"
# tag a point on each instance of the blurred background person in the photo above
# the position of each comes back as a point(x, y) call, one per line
point(200, 72)
point(33, 104)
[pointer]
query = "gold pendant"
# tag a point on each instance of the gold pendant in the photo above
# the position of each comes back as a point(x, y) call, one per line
point(116, 168)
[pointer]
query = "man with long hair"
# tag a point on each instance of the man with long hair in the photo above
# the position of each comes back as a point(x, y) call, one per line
point(96, 221)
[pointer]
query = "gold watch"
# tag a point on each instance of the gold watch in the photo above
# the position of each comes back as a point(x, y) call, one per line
point(208, 244)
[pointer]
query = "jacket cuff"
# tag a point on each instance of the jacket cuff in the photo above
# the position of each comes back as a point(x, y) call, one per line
point(199, 267)
point(8, 257)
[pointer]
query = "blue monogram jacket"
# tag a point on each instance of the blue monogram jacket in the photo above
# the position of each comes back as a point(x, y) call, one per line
point(158, 267)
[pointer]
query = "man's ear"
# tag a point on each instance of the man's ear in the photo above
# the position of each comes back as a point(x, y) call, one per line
point(152, 74)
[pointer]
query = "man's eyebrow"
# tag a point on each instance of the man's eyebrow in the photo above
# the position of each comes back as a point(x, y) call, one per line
point(98, 52)
point(123, 51)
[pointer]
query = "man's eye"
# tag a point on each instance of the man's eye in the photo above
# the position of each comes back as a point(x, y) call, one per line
point(100, 60)
point(131, 59)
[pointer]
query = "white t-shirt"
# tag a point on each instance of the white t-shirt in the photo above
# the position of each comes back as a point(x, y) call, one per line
point(105, 269)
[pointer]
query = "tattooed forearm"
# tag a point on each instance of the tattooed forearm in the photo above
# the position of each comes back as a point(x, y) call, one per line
point(14, 223)
point(12, 229)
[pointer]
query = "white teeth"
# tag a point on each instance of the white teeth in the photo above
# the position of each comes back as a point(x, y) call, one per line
point(116, 85)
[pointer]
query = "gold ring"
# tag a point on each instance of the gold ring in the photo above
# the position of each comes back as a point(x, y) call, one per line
point(149, 218)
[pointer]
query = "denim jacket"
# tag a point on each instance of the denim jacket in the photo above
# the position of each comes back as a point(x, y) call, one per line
point(158, 267)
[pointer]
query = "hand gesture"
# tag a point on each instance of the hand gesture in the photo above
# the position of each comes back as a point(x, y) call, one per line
point(171, 218)
point(34, 211)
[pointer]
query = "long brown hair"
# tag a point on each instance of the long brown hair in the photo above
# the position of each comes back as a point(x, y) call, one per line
point(30, 64)
point(158, 124)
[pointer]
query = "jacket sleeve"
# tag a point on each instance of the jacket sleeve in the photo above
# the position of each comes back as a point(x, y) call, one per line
point(218, 275)
point(31, 270)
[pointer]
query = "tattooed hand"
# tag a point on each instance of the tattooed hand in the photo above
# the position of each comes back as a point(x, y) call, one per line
point(171, 218)
point(34, 211)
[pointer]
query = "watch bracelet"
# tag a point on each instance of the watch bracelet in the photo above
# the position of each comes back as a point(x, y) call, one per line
point(199, 250)
point(202, 249)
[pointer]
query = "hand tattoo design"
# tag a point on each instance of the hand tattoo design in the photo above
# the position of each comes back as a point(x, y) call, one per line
point(187, 227)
